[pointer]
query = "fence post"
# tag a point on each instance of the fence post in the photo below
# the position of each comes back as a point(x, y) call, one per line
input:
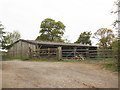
point(48, 51)
point(59, 54)
point(113, 54)
point(30, 53)
point(88, 54)
point(74, 51)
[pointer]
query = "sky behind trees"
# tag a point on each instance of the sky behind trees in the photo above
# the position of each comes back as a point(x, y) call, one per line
point(77, 15)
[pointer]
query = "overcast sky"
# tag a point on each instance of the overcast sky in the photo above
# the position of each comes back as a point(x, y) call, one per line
point(77, 15)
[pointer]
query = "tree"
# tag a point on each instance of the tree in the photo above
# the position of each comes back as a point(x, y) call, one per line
point(1, 29)
point(84, 38)
point(116, 46)
point(51, 30)
point(116, 23)
point(105, 37)
point(9, 39)
point(1, 34)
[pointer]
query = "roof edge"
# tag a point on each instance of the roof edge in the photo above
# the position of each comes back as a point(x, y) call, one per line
point(53, 43)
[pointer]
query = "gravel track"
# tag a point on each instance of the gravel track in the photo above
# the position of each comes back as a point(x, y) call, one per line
point(26, 74)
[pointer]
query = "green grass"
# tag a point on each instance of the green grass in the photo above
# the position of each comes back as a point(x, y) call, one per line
point(63, 60)
point(14, 58)
point(111, 67)
point(98, 60)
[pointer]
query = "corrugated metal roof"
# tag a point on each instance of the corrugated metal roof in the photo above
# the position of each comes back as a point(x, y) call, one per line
point(53, 43)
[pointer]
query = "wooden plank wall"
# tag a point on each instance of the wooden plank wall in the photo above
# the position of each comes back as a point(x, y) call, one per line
point(20, 49)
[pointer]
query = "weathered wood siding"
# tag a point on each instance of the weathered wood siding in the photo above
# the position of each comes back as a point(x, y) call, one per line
point(20, 49)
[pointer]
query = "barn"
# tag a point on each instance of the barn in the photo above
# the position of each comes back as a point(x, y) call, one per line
point(50, 50)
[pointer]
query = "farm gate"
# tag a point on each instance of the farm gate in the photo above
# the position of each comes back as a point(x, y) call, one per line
point(49, 53)
point(88, 54)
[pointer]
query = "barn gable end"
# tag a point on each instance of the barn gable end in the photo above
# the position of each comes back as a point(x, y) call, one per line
point(20, 49)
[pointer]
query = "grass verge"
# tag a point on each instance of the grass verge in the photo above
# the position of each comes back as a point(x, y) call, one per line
point(14, 58)
point(111, 67)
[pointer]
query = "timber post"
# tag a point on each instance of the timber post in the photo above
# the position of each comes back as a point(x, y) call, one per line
point(30, 53)
point(59, 53)
point(48, 51)
point(88, 54)
point(74, 51)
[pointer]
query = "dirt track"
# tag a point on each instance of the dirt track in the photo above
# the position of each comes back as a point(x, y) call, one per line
point(23, 74)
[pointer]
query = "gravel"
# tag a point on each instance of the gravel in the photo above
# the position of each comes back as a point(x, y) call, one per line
point(26, 74)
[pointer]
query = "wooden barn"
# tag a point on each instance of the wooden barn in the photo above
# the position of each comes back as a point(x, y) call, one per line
point(50, 50)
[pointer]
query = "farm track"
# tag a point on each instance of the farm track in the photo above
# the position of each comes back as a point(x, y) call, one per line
point(25, 74)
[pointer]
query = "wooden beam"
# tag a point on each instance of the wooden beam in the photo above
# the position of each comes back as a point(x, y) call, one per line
point(74, 51)
point(59, 55)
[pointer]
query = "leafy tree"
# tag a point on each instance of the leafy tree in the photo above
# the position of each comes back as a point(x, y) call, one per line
point(2, 33)
point(1, 29)
point(9, 39)
point(84, 38)
point(116, 51)
point(105, 37)
point(116, 45)
point(51, 30)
